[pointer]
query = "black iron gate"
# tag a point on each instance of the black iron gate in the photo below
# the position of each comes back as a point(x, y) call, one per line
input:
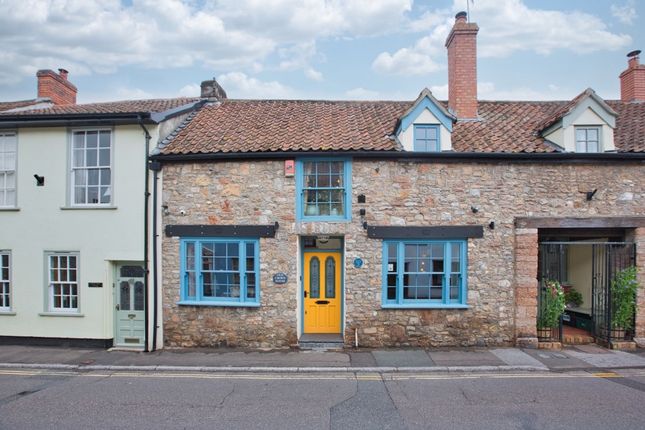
point(608, 259)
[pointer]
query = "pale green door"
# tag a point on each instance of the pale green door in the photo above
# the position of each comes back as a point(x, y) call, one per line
point(130, 306)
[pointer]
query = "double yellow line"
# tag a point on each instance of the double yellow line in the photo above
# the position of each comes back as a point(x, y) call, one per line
point(316, 376)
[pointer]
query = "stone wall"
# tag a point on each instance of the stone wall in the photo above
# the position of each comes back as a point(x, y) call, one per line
point(397, 193)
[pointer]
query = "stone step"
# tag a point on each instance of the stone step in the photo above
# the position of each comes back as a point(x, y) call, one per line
point(321, 342)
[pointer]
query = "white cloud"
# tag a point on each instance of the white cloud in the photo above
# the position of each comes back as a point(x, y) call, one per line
point(506, 26)
point(409, 61)
point(489, 91)
point(300, 56)
point(100, 36)
point(625, 13)
point(440, 91)
point(190, 90)
point(239, 85)
point(361, 93)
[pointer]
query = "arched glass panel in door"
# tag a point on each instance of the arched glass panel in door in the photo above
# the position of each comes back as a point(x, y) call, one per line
point(330, 278)
point(314, 278)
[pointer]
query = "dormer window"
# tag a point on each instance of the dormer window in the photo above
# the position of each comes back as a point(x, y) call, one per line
point(587, 139)
point(426, 138)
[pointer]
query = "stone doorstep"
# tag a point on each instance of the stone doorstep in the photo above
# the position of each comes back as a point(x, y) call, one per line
point(550, 345)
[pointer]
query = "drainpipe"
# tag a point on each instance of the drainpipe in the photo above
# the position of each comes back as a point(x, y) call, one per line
point(155, 166)
point(145, 233)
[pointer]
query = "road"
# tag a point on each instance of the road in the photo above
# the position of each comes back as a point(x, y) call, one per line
point(32, 399)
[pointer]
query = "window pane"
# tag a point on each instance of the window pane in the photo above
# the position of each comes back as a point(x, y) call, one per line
point(592, 146)
point(330, 278)
point(93, 177)
point(250, 286)
point(91, 139)
point(104, 139)
point(581, 134)
point(79, 140)
point(104, 157)
point(93, 195)
point(79, 158)
point(191, 284)
point(80, 177)
point(91, 158)
point(592, 134)
point(314, 278)
point(79, 195)
point(138, 296)
point(431, 133)
point(124, 296)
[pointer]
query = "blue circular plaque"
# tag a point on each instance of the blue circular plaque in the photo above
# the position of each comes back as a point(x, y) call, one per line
point(358, 263)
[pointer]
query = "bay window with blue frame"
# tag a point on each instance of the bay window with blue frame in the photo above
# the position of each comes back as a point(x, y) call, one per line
point(220, 272)
point(323, 189)
point(424, 274)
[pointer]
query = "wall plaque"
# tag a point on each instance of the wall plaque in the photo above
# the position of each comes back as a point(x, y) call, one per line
point(358, 262)
point(95, 284)
point(280, 278)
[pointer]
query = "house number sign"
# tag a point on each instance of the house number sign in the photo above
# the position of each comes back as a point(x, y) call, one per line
point(280, 278)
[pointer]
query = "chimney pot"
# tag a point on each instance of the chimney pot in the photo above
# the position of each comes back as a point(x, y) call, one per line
point(63, 73)
point(461, 16)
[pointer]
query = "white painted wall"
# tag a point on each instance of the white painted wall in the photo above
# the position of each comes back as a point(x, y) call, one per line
point(101, 236)
point(406, 137)
point(566, 137)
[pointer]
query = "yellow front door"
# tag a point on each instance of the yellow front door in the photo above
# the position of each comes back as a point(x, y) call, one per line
point(322, 297)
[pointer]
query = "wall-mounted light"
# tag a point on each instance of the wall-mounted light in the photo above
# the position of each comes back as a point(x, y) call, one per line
point(474, 209)
point(40, 180)
point(491, 225)
point(590, 194)
point(165, 210)
point(361, 198)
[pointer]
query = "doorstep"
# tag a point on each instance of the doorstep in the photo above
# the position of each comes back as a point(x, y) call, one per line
point(321, 341)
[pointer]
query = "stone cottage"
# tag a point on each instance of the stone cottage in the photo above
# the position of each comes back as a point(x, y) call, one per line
point(387, 223)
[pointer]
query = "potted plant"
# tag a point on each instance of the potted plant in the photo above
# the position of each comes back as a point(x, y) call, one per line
point(552, 305)
point(573, 298)
point(624, 286)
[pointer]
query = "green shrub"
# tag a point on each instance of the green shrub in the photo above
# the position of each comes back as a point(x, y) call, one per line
point(552, 304)
point(623, 298)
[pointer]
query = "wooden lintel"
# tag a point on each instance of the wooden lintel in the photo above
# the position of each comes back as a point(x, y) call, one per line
point(589, 222)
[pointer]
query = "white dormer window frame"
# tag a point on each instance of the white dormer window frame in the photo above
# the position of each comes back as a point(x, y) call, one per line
point(588, 138)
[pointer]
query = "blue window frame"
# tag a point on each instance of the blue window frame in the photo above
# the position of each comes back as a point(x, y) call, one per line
point(424, 274)
point(323, 189)
point(426, 138)
point(220, 272)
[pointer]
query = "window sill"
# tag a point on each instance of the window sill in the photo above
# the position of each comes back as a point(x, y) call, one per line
point(61, 314)
point(7, 313)
point(424, 306)
point(9, 209)
point(82, 208)
point(218, 304)
point(324, 219)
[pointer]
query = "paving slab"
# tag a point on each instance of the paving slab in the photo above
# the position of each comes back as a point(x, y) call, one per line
point(609, 359)
point(556, 360)
point(362, 359)
point(403, 358)
point(465, 358)
point(516, 357)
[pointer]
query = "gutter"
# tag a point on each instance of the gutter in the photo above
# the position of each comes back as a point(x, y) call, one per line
point(483, 157)
point(67, 120)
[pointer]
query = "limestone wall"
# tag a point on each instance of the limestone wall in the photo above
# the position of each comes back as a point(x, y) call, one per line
point(397, 193)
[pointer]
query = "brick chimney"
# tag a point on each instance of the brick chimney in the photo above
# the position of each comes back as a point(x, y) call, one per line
point(212, 90)
point(632, 80)
point(462, 67)
point(56, 87)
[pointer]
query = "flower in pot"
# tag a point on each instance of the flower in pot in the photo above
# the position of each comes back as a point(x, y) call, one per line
point(573, 298)
point(552, 305)
point(624, 286)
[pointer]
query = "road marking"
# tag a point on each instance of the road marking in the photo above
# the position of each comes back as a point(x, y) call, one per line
point(318, 376)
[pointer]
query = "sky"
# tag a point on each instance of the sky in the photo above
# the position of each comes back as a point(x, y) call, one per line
point(315, 49)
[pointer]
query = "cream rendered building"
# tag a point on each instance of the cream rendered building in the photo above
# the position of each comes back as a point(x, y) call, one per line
point(74, 208)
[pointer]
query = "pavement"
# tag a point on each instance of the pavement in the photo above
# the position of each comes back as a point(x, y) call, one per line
point(584, 357)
